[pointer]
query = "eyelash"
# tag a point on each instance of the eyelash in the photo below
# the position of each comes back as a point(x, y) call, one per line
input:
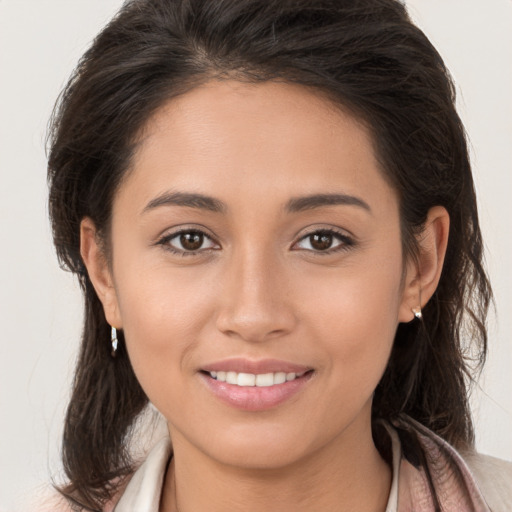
point(346, 241)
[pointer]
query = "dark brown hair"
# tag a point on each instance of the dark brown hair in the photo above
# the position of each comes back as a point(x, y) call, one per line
point(365, 55)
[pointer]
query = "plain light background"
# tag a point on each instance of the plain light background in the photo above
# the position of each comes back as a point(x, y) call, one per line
point(40, 306)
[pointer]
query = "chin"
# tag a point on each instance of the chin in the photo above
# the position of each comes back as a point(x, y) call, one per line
point(261, 447)
point(269, 455)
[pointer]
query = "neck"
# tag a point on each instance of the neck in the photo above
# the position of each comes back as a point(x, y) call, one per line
point(346, 474)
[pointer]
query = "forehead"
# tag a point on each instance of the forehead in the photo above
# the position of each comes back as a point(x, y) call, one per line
point(231, 135)
point(253, 111)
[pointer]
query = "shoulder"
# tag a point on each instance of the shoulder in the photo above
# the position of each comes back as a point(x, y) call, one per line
point(494, 478)
point(456, 475)
point(43, 499)
point(47, 499)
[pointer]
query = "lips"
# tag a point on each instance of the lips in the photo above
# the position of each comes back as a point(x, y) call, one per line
point(255, 385)
point(250, 379)
point(240, 365)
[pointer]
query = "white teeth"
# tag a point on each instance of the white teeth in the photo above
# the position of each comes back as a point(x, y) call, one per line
point(246, 379)
point(250, 379)
point(264, 379)
point(279, 378)
point(231, 378)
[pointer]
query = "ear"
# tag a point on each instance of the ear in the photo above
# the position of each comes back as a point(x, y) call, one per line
point(99, 271)
point(422, 274)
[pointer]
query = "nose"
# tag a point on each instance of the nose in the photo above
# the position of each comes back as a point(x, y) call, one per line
point(255, 301)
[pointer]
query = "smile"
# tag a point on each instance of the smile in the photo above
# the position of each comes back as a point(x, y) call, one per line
point(255, 385)
point(258, 380)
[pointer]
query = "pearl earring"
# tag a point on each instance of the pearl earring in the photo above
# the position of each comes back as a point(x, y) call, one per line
point(417, 312)
point(114, 341)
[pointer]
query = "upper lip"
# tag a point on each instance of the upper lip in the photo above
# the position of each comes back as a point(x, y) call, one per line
point(241, 365)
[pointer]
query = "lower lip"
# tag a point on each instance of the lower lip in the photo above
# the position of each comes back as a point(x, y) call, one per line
point(254, 398)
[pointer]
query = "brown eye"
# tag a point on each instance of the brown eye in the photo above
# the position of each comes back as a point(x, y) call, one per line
point(326, 241)
point(321, 241)
point(188, 242)
point(191, 241)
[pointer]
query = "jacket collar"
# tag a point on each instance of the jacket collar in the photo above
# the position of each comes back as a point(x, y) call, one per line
point(423, 465)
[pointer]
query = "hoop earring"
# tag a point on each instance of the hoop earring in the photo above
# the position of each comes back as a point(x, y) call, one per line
point(417, 312)
point(114, 341)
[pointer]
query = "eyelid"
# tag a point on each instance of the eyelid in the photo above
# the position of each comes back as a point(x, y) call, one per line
point(347, 240)
point(309, 230)
point(164, 240)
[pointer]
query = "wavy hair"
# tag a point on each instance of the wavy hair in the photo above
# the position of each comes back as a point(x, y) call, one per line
point(364, 55)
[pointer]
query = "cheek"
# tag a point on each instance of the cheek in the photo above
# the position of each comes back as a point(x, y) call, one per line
point(355, 320)
point(362, 296)
point(163, 313)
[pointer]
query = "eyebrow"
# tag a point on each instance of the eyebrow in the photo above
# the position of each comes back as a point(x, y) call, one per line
point(300, 204)
point(187, 199)
point(294, 205)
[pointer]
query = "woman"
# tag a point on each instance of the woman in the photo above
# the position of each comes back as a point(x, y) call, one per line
point(270, 209)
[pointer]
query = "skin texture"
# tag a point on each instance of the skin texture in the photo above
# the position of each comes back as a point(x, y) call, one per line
point(260, 288)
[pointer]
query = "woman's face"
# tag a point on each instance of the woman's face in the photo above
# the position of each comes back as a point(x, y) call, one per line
point(256, 235)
